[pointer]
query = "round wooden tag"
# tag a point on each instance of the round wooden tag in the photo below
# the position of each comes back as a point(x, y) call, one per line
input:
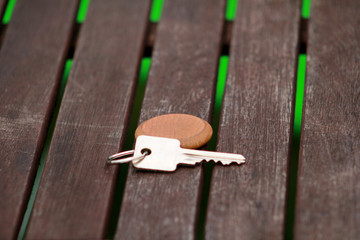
point(191, 131)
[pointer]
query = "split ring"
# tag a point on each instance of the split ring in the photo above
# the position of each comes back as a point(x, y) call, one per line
point(118, 157)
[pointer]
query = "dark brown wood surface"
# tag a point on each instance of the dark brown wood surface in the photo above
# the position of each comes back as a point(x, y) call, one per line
point(329, 164)
point(77, 185)
point(2, 8)
point(248, 201)
point(31, 62)
point(182, 80)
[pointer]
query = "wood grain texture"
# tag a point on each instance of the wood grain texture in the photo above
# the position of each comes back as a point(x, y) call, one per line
point(248, 201)
point(77, 185)
point(181, 80)
point(31, 61)
point(191, 131)
point(328, 200)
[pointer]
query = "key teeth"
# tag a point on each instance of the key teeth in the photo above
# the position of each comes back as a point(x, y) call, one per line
point(228, 163)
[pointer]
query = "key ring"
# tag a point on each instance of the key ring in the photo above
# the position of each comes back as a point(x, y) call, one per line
point(115, 158)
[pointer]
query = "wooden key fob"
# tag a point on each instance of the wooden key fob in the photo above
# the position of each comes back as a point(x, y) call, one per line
point(191, 131)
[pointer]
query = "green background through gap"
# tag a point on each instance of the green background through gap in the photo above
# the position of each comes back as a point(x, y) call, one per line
point(129, 144)
point(156, 10)
point(219, 94)
point(305, 9)
point(83, 7)
point(299, 94)
point(230, 11)
point(8, 11)
point(45, 150)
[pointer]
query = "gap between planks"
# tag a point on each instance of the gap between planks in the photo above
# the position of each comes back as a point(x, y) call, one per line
point(51, 124)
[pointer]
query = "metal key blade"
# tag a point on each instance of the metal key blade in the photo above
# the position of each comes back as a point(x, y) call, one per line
point(192, 157)
point(164, 154)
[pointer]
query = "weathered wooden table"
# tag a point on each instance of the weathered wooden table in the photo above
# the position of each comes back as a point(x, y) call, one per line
point(56, 131)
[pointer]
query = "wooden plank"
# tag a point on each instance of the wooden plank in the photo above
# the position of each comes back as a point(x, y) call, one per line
point(249, 200)
point(181, 80)
point(77, 185)
point(329, 162)
point(31, 60)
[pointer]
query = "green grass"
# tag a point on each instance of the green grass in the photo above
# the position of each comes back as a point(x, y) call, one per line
point(83, 8)
point(305, 9)
point(44, 153)
point(156, 10)
point(8, 11)
point(230, 12)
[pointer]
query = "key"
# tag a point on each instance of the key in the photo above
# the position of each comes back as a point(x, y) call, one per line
point(164, 154)
point(159, 143)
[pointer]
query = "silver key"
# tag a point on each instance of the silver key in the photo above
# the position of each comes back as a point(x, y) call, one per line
point(164, 154)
